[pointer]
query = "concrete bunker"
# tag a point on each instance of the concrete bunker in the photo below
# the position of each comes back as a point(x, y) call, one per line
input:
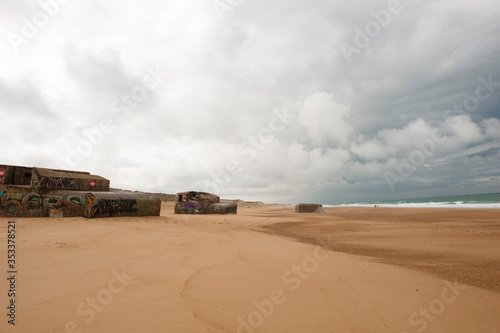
point(40, 192)
point(193, 202)
point(309, 208)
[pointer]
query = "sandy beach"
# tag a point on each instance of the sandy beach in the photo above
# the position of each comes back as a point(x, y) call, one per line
point(266, 269)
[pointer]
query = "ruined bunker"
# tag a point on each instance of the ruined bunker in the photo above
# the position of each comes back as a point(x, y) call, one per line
point(202, 203)
point(309, 208)
point(39, 192)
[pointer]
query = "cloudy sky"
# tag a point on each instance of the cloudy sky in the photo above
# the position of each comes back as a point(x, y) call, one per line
point(282, 101)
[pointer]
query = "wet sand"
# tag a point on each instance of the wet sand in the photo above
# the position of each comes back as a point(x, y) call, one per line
point(453, 244)
point(374, 270)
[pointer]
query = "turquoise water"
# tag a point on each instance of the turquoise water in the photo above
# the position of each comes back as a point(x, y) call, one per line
point(490, 200)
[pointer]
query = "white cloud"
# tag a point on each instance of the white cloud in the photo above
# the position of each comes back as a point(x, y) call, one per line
point(463, 130)
point(370, 150)
point(492, 127)
point(404, 139)
point(297, 155)
point(325, 119)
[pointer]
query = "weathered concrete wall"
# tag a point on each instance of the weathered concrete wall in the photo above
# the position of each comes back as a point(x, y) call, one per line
point(203, 203)
point(37, 192)
point(23, 201)
point(201, 197)
point(67, 203)
point(224, 207)
point(18, 201)
point(79, 181)
point(309, 208)
point(48, 179)
point(105, 204)
point(15, 175)
point(194, 207)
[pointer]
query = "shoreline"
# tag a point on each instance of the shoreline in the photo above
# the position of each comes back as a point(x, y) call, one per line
point(430, 206)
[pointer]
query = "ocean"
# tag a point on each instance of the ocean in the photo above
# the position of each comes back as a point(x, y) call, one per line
point(490, 200)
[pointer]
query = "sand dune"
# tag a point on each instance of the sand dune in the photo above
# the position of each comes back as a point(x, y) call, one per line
point(376, 270)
